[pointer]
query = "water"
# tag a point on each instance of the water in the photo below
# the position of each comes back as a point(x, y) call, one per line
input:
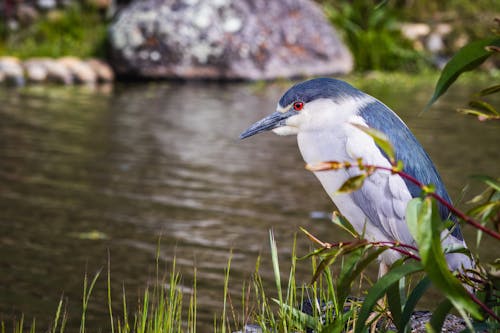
point(86, 172)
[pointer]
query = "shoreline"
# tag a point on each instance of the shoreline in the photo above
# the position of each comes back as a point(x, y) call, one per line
point(65, 71)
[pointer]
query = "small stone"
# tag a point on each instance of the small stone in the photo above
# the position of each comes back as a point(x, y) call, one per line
point(82, 72)
point(443, 29)
point(414, 31)
point(250, 328)
point(35, 70)
point(12, 70)
point(47, 4)
point(434, 43)
point(460, 41)
point(102, 70)
point(57, 72)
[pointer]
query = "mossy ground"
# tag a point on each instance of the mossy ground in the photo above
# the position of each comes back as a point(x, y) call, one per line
point(75, 31)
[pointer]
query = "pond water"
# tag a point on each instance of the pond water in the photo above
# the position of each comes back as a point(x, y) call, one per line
point(86, 172)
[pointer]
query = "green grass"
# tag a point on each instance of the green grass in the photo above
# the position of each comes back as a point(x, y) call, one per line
point(371, 28)
point(77, 30)
point(340, 296)
point(372, 34)
point(163, 307)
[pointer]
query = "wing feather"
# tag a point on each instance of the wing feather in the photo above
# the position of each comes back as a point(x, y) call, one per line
point(383, 196)
point(417, 162)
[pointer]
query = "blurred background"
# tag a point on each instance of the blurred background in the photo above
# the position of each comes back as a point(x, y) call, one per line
point(119, 124)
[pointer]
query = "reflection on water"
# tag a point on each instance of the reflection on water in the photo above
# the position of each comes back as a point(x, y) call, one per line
point(85, 171)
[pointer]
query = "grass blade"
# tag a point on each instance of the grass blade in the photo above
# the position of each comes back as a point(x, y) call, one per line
point(394, 302)
point(226, 292)
point(424, 222)
point(467, 58)
point(439, 315)
point(87, 291)
point(110, 307)
point(276, 266)
point(380, 288)
point(413, 299)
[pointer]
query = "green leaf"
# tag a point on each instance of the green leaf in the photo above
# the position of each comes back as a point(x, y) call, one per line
point(380, 139)
point(490, 181)
point(301, 318)
point(467, 58)
point(339, 324)
point(481, 115)
point(413, 299)
point(490, 90)
point(342, 222)
point(394, 302)
point(327, 261)
point(483, 105)
point(275, 261)
point(352, 184)
point(380, 288)
point(351, 272)
point(486, 210)
point(439, 315)
point(424, 222)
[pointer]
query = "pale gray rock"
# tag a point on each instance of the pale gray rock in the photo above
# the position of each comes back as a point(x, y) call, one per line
point(103, 71)
point(12, 71)
point(81, 71)
point(58, 72)
point(250, 328)
point(35, 70)
point(66, 70)
point(47, 4)
point(225, 39)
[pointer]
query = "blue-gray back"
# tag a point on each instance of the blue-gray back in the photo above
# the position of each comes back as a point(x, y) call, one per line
point(417, 162)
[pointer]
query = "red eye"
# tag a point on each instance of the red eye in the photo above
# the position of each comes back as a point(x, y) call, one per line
point(297, 106)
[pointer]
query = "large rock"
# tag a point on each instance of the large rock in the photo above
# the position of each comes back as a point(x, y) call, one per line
point(225, 39)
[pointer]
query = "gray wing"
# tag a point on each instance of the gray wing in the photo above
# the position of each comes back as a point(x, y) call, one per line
point(383, 198)
point(417, 162)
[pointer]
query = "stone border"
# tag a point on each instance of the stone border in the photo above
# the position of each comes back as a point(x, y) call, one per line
point(66, 70)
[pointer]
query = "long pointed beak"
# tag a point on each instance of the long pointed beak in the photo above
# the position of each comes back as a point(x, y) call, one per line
point(270, 122)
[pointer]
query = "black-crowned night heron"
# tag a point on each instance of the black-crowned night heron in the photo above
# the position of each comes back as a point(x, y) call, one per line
point(323, 113)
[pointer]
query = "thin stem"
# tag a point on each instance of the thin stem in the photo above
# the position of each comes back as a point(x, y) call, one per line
point(484, 306)
point(411, 247)
point(334, 165)
point(458, 213)
point(396, 246)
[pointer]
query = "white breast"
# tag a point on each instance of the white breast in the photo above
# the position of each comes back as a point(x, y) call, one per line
point(384, 194)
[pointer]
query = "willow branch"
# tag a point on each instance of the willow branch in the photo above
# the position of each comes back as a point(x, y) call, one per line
point(484, 306)
point(395, 246)
point(458, 213)
point(334, 165)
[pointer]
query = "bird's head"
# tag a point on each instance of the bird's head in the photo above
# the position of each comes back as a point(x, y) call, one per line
point(309, 104)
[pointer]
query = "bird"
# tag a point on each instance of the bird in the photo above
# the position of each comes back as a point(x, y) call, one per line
point(326, 114)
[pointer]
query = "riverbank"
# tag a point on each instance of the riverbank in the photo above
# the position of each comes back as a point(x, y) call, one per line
point(65, 70)
point(393, 38)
